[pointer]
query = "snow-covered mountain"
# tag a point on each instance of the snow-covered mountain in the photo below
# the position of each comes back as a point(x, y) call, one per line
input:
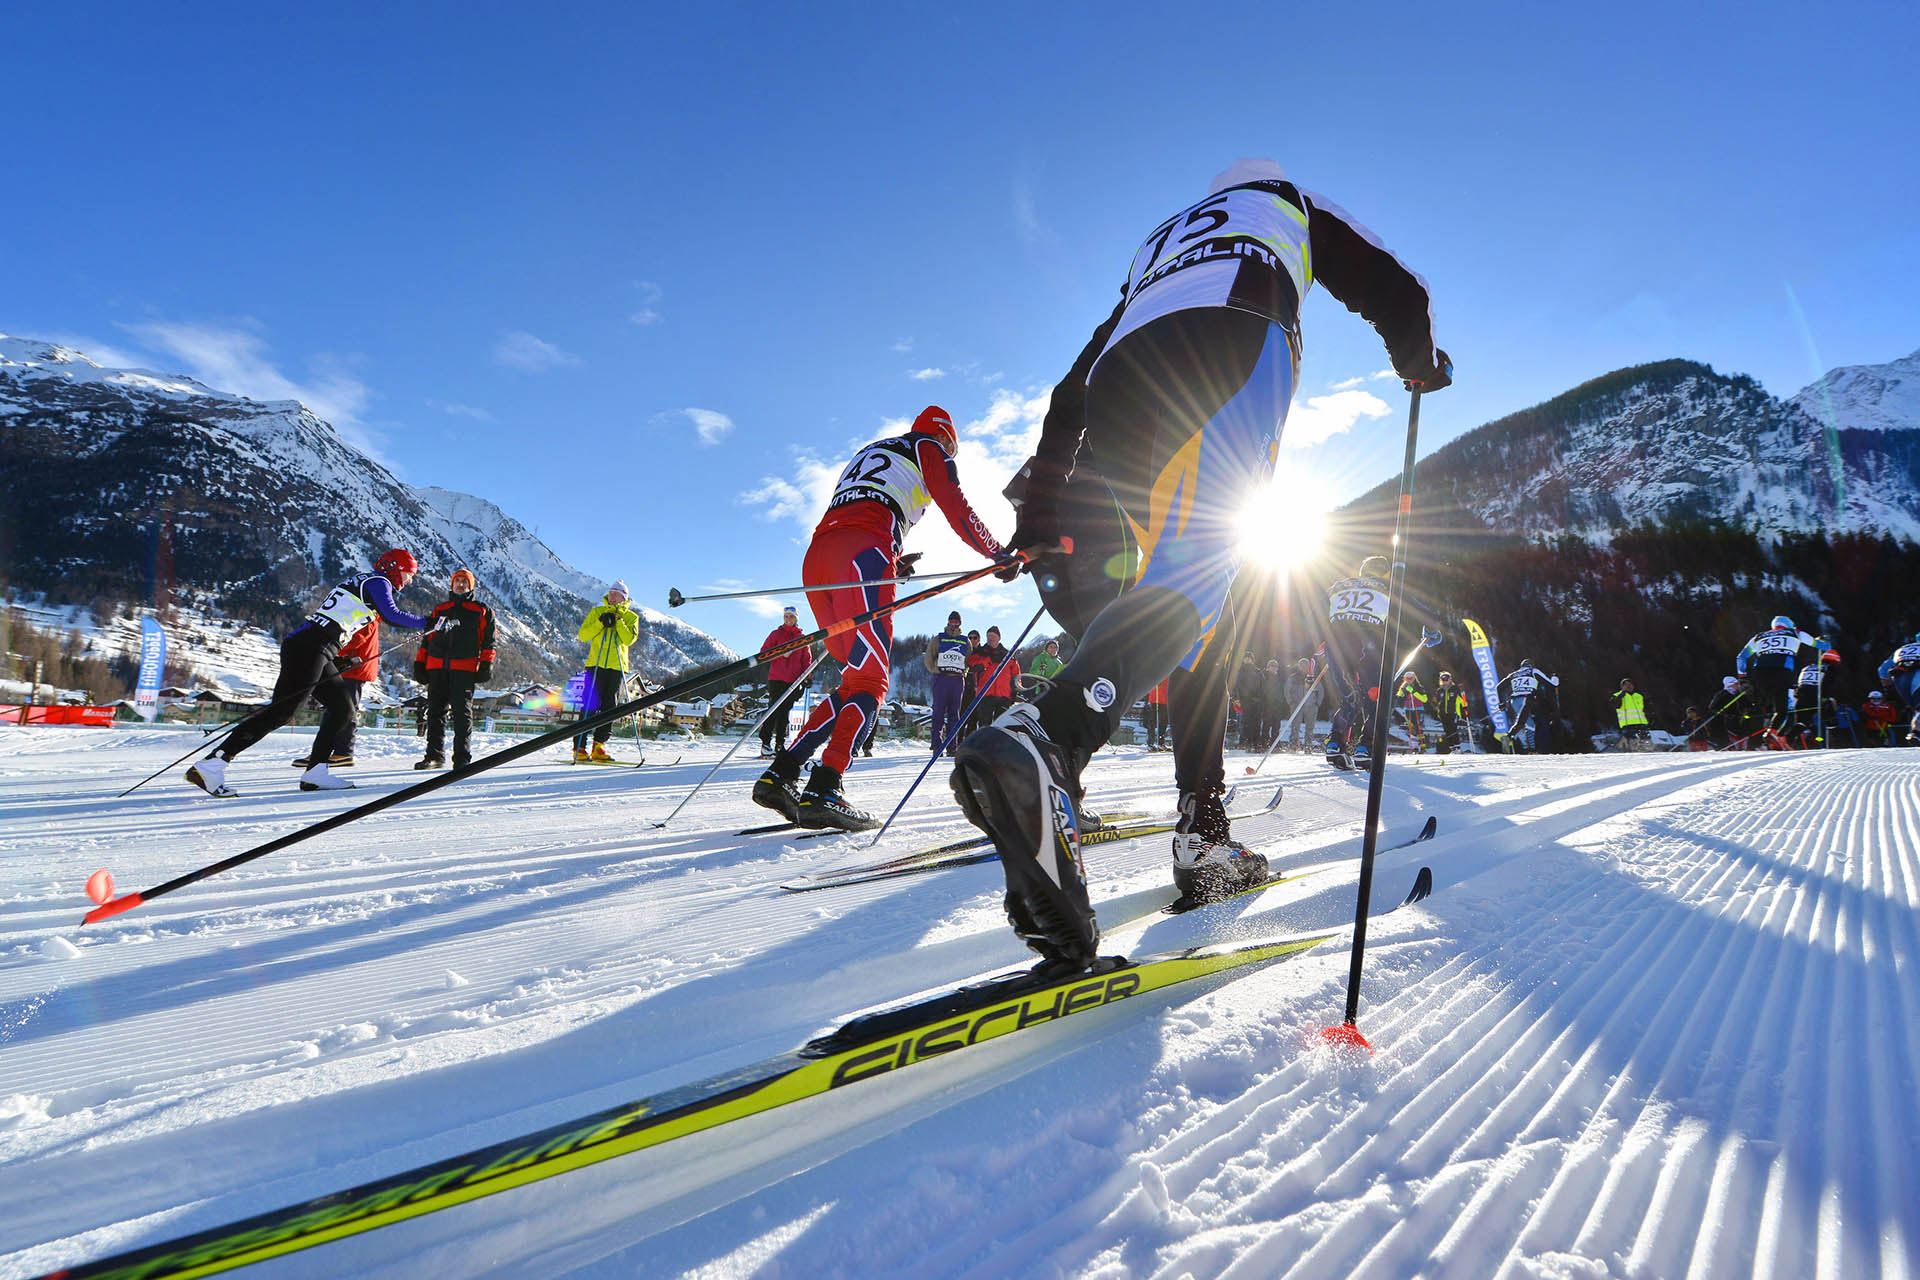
point(1676, 442)
point(127, 484)
point(1867, 397)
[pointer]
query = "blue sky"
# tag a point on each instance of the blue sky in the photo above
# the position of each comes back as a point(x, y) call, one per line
point(644, 275)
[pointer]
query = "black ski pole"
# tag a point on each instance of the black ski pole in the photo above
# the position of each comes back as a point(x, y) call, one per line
point(773, 705)
point(1346, 1032)
point(723, 675)
point(212, 737)
point(966, 715)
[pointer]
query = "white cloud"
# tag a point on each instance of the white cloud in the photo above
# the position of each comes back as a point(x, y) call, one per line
point(926, 375)
point(468, 411)
point(711, 425)
point(1322, 417)
point(521, 350)
point(647, 312)
point(236, 361)
point(1026, 218)
point(1347, 384)
point(905, 344)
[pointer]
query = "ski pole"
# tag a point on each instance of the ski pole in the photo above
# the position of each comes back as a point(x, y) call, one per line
point(953, 733)
point(1346, 1032)
point(773, 704)
point(1286, 730)
point(675, 599)
point(725, 674)
point(212, 737)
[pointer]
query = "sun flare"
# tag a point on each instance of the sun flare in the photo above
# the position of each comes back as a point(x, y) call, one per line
point(1286, 521)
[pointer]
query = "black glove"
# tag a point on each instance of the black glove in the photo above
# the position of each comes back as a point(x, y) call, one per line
point(1440, 376)
point(484, 674)
point(608, 619)
point(904, 566)
point(420, 670)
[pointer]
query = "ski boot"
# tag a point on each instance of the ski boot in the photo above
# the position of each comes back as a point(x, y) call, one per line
point(580, 756)
point(433, 760)
point(1208, 863)
point(775, 790)
point(600, 755)
point(210, 775)
point(318, 779)
point(824, 805)
point(1017, 785)
point(461, 759)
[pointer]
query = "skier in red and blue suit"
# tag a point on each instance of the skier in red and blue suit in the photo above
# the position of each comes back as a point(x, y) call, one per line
point(879, 497)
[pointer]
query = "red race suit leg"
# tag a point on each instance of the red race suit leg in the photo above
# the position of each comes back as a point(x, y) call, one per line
point(848, 554)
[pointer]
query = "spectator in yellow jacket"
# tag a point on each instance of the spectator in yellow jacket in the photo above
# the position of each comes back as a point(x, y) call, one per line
point(609, 631)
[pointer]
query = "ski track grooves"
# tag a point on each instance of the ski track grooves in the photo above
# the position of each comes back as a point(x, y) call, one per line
point(1649, 1025)
point(1621, 1116)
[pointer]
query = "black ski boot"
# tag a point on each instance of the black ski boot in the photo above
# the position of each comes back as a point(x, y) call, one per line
point(824, 805)
point(431, 761)
point(1208, 863)
point(775, 789)
point(338, 760)
point(1017, 785)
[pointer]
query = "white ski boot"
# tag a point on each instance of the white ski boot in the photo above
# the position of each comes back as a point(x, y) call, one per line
point(318, 779)
point(210, 775)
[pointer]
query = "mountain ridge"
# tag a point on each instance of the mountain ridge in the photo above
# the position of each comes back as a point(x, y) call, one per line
point(142, 484)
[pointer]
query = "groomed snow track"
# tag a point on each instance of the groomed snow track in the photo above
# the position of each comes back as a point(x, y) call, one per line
point(1661, 1018)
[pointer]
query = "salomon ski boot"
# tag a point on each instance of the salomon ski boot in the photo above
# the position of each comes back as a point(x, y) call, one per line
point(1017, 785)
point(210, 775)
point(1208, 863)
point(775, 789)
point(824, 805)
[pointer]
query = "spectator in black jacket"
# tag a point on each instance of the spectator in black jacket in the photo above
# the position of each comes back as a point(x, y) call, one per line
point(453, 657)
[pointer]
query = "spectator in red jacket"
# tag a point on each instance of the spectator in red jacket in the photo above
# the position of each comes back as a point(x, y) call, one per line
point(785, 680)
point(999, 687)
point(359, 664)
point(1879, 713)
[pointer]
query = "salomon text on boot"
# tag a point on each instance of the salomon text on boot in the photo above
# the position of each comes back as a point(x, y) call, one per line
point(1017, 785)
point(824, 805)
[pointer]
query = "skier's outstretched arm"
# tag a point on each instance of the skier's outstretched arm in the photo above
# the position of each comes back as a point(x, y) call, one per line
point(1361, 272)
point(943, 483)
point(380, 597)
point(1060, 433)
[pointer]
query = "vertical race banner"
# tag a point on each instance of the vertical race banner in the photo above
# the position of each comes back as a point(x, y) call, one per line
point(1489, 677)
point(153, 666)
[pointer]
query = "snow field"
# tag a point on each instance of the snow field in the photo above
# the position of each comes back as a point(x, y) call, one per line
point(1658, 1019)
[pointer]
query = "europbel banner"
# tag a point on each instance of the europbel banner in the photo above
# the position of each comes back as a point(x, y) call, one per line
point(153, 665)
point(1489, 676)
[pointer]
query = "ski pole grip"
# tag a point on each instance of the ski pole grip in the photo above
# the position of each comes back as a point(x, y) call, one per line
point(674, 598)
point(1066, 544)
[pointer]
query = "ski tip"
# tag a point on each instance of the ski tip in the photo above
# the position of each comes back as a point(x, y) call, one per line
point(1432, 825)
point(100, 886)
point(1344, 1035)
point(108, 909)
point(1422, 886)
point(1249, 771)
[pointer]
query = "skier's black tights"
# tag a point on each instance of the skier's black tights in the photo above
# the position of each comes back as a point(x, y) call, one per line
point(306, 666)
